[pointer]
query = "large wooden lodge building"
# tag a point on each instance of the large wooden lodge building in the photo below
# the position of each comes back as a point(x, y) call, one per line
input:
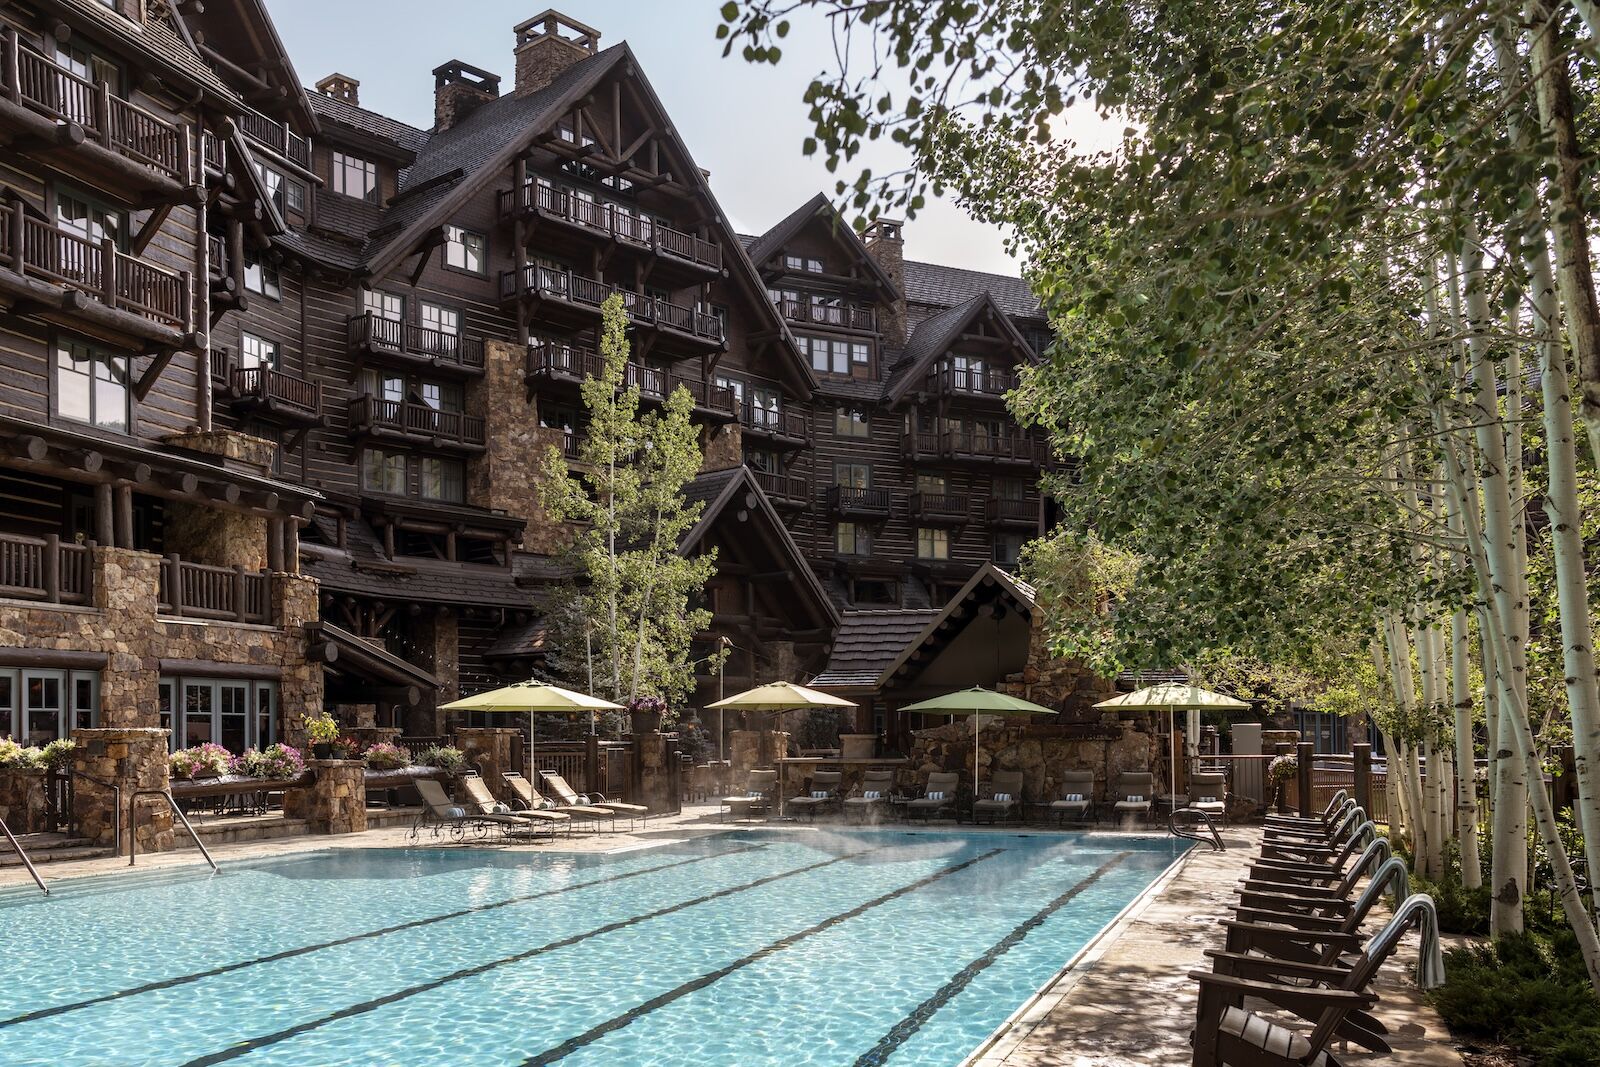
point(277, 373)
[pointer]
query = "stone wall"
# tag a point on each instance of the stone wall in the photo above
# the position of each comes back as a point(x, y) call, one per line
point(215, 536)
point(22, 804)
point(750, 750)
point(507, 475)
point(130, 759)
point(722, 447)
point(655, 777)
point(440, 641)
point(489, 750)
point(236, 449)
point(1040, 753)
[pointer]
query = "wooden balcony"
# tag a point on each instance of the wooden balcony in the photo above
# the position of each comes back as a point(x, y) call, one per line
point(200, 591)
point(405, 420)
point(862, 318)
point(563, 296)
point(980, 449)
point(711, 402)
point(782, 428)
point(1008, 511)
point(551, 361)
point(608, 222)
point(275, 136)
point(47, 110)
point(373, 337)
point(848, 502)
point(46, 569)
point(970, 383)
point(73, 274)
point(786, 491)
point(940, 509)
point(274, 394)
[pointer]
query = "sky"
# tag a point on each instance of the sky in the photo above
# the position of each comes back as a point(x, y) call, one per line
point(743, 123)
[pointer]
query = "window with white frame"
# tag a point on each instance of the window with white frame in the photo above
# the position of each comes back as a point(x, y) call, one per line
point(257, 352)
point(91, 385)
point(261, 277)
point(437, 317)
point(933, 543)
point(383, 385)
point(442, 396)
point(465, 250)
point(40, 704)
point(355, 177)
point(235, 713)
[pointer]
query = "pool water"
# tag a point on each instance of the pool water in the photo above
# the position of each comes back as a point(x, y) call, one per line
point(836, 948)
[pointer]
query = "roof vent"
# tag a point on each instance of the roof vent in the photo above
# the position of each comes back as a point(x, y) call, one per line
point(548, 44)
point(341, 87)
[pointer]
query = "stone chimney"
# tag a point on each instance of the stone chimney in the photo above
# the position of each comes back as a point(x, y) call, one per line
point(341, 87)
point(459, 89)
point(548, 44)
point(886, 245)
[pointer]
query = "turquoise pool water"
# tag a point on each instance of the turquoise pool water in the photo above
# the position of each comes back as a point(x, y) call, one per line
point(833, 948)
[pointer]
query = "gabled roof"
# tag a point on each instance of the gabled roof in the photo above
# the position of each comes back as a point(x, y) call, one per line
point(244, 30)
point(988, 583)
point(937, 285)
point(362, 569)
point(737, 486)
point(867, 642)
point(338, 112)
point(162, 37)
point(934, 335)
point(771, 243)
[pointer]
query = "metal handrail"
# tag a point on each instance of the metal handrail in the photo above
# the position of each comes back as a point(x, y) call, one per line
point(1214, 840)
point(133, 824)
point(26, 862)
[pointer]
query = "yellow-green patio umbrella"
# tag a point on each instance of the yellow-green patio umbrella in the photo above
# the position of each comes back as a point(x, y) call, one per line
point(1174, 697)
point(977, 701)
point(531, 698)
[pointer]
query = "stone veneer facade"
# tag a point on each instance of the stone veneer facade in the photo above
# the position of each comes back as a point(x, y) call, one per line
point(335, 802)
point(131, 759)
point(22, 806)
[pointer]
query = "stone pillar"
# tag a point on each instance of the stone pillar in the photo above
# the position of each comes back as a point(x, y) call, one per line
point(22, 804)
point(336, 802)
point(722, 447)
point(654, 789)
point(439, 643)
point(774, 746)
point(489, 750)
point(126, 587)
point(132, 759)
point(300, 686)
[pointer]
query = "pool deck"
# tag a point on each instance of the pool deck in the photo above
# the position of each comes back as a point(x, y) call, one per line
point(1126, 1001)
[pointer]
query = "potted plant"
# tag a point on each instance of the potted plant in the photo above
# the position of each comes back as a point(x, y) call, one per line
point(645, 714)
point(322, 732)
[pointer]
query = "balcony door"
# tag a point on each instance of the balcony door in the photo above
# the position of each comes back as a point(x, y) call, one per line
point(83, 70)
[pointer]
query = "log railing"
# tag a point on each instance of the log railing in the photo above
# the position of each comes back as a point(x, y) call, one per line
point(201, 591)
point(973, 381)
point(845, 499)
point(275, 135)
point(555, 284)
point(46, 569)
point(939, 505)
point(33, 247)
point(550, 358)
point(779, 422)
point(965, 444)
point(1010, 509)
point(786, 488)
point(845, 316)
point(368, 330)
point(706, 397)
point(40, 84)
point(613, 221)
point(278, 388)
point(416, 420)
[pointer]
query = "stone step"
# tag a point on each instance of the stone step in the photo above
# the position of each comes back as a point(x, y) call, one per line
point(50, 848)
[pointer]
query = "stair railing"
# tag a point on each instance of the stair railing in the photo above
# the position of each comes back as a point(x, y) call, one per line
point(26, 862)
point(133, 824)
point(1210, 837)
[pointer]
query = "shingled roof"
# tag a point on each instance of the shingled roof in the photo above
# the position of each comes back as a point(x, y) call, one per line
point(771, 243)
point(941, 286)
point(360, 119)
point(867, 642)
point(158, 36)
point(934, 335)
point(361, 568)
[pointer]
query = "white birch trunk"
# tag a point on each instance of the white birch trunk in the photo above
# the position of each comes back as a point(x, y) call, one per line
point(1466, 764)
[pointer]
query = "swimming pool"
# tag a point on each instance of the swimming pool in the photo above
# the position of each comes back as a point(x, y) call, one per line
point(744, 948)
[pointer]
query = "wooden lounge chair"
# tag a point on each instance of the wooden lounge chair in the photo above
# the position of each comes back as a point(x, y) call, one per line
point(875, 789)
point(938, 798)
point(759, 789)
point(529, 798)
point(1077, 797)
point(477, 799)
point(569, 796)
point(1321, 933)
point(1315, 849)
point(824, 793)
point(1001, 798)
point(1286, 891)
point(1208, 792)
point(1312, 831)
point(443, 814)
point(1325, 817)
point(1136, 794)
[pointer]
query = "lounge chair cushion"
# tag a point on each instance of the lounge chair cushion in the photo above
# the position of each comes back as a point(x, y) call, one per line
point(1070, 802)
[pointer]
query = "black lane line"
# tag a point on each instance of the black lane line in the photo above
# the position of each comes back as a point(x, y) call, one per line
point(471, 972)
point(903, 1030)
point(573, 1044)
point(187, 979)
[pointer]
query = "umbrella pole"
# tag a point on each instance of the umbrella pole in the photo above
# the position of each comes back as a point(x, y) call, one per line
point(1172, 760)
point(975, 747)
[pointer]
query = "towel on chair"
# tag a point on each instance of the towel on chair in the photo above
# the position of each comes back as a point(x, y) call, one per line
point(1074, 798)
point(819, 794)
point(937, 794)
point(1003, 798)
point(872, 794)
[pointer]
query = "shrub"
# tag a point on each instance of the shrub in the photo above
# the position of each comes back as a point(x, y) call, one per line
point(22, 758)
point(384, 756)
point(321, 729)
point(1461, 910)
point(58, 753)
point(203, 761)
point(347, 748)
point(452, 761)
point(1527, 991)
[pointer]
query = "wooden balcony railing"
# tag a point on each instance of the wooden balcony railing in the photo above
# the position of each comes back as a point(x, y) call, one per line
point(777, 423)
point(201, 591)
point(591, 292)
point(46, 569)
point(42, 85)
point(1010, 509)
point(279, 389)
point(783, 488)
point(571, 444)
point(612, 221)
point(416, 420)
point(846, 500)
point(215, 151)
point(560, 361)
point(972, 381)
point(371, 331)
point(273, 134)
point(846, 316)
point(970, 445)
point(939, 506)
point(713, 398)
point(37, 249)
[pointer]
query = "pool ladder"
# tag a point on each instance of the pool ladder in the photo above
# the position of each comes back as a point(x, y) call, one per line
point(1210, 836)
point(26, 862)
point(133, 824)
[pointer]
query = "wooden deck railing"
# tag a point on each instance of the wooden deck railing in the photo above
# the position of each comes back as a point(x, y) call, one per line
point(1008, 509)
point(279, 388)
point(591, 292)
point(35, 248)
point(417, 420)
point(275, 135)
point(42, 85)
point(939, 505)
point(784, 488)
point(611, 220)
point(558, 360)
point(715, 398)
point(845, 316)
point(368, 330)
point(46, 569)
point(965, 444)
point(843, 498)
point(972, 381)
point(780, 423)
point(201, 591)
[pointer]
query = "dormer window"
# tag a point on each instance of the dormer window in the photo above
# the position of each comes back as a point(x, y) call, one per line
point(355, 177)
point(803, 263)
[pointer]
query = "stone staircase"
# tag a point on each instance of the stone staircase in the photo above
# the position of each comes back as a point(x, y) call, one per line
point(49, 848)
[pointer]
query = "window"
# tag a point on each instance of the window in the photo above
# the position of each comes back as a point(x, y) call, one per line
point(355, 177)
point(736, 386)
point(852, 539)
point(295, 194)
point(91, 386)
point(933, 544)
point(444, 320)
point(464, 250)
point(794, 262)
point(257, 352)
point(1008, 549)
point(860, 354)
point(444, 479)
point(383, 305)
point(383, 472)
point(75, 104)
point(441, 396)
point(932, 484)
point(848, 423)
point(232, 712)
point(384, 386)
point(852, 475)
point(1010, 489)
point(87, 219)
point(276, 186)
point(38, 705)
point(261, 277)
point(761, 459)
point(827, 356)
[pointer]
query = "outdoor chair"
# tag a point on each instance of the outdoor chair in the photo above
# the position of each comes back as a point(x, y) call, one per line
point(1314, 849)
point(1284, 891)
point(702, 782)
point(1311, 831)
point(443, 814)
point(938, 798)
point(824, 793)
point(1001, 798)
point(1077, 797)
point(1269, 927)
point(759, 789)
point(1208, 792)
point(1323, 818)
point(531, 800)
point(1136, 792)
point(569, 796)
point(480, 801)
point(875, 789)
point(1320, 870)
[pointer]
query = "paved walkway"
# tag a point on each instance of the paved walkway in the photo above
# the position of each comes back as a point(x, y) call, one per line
point(1130, 1001)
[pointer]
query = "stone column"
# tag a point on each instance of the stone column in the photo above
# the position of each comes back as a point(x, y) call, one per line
point(655, 780)
point(336, 802)
point(1361, 765)
point(300, 686)
point(439, 641)
point(489, 750)
point(126, 587)
point(22, 806)
point(131, 759)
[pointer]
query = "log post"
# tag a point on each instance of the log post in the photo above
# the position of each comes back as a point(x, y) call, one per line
point(175, 583)
point(1305, 753)
point(275, 546)
point(104, 521)
point(1361, 762)
point(591, 764)
point(238, 593)
point(124, 497)
point(52, 568)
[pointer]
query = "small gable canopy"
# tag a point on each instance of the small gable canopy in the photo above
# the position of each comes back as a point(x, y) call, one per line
point(982, 635)
point(938, 334)
point(819, 211)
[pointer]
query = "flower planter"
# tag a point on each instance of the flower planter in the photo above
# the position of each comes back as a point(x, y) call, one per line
point(645, 722)
point(322, 751)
